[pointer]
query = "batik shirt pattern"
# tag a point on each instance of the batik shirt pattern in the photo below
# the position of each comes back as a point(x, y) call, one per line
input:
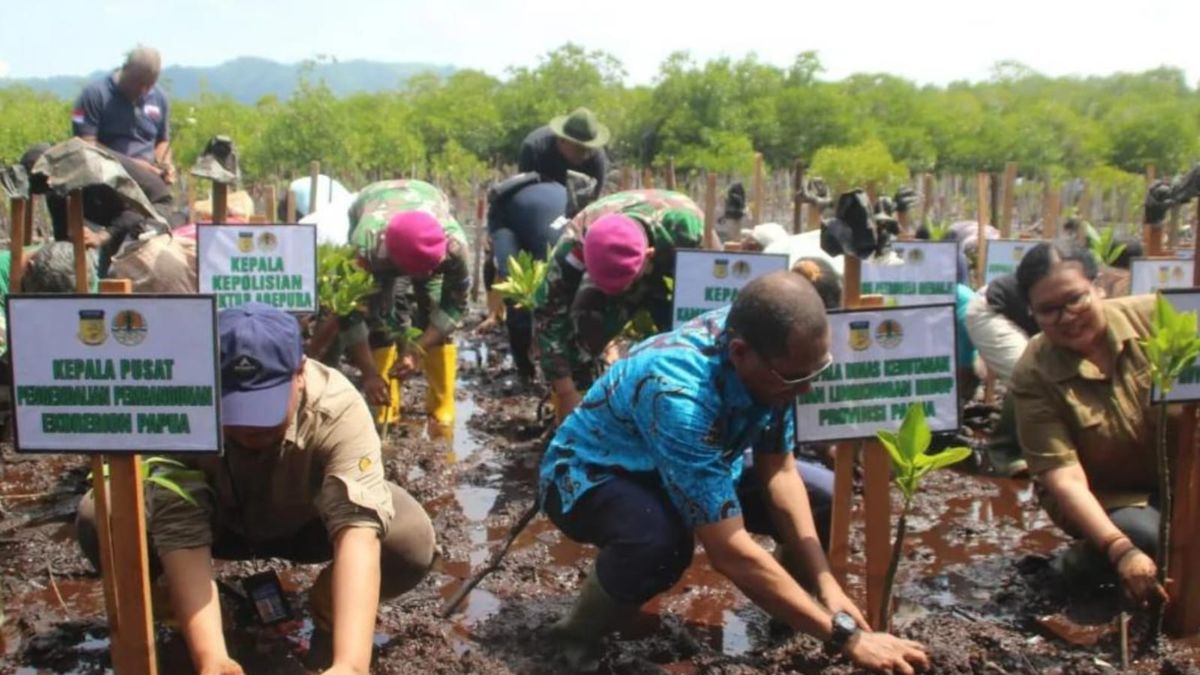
point(674, 407)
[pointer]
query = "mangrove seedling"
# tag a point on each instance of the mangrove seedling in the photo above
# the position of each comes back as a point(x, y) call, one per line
point(937, 231)
point(910, 463)
point(525, 276)
point(342, 284)
point(1105, 247)
point(1172, 346)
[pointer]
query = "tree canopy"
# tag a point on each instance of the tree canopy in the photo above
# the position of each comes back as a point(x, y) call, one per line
point(711, 115)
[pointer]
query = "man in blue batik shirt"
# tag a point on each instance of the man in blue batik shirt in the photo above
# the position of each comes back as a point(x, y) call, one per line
point(651, 460)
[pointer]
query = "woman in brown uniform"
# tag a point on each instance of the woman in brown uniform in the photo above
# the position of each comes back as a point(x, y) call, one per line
point(1082, 392)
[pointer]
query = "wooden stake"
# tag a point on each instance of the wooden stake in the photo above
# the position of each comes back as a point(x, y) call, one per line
point(759, 194)
point(670, 173)
point(480, 238)
point(1183, 612)
point(130, 557)
point(290, 208)
point(647, 178)
point(1006, 213)
point(314, 172)
point(626, 178)
point(220, 202)
point(797, 202)
point(1050, 208)
point(16, 235)
point(877, 473)
point(982, 194)
point(30, 207)
point(270, 209)
point(927, 197)
point(710, 212)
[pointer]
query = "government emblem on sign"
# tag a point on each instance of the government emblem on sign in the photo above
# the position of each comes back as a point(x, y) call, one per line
point(246, 242)
point(860, 335)
point(1177, 274)
point(1018, 253)
point(889, 334)
point(267, 242)
point(720, 268)
point(741, 269)
point(915, 256)
point(91, 327)
point(129, 327)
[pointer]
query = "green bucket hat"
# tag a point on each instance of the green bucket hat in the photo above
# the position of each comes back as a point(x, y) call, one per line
point(581, 127)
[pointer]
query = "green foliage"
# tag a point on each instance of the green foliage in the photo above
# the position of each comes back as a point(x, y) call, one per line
point(525, 276)
point(938, 231)
point(869, 162)
point(907, 450)
point(706, 115)
point(1105, 247)
point(1172, 346)
point(342, 284)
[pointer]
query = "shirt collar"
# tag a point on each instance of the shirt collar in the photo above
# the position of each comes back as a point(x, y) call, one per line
point(1065, 364)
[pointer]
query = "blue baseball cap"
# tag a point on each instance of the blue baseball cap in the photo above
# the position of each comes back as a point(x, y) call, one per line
point(261, 351)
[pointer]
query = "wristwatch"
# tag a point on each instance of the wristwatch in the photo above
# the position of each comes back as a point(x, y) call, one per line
point(844, 628)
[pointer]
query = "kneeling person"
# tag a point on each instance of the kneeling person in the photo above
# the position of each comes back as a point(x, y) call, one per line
point(301, 479)
point(651, 461)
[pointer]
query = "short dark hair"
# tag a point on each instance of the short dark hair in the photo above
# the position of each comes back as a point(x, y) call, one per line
point(1041, 259)
point(51, 269)
point(769, 308)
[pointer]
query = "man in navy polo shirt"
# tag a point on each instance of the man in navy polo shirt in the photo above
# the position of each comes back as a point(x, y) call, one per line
point(128, 113)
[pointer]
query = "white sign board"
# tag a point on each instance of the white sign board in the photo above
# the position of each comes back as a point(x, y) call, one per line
point(272, 264)
point(1003, 256)
point(708, 280)
point(110, 374)
point(883, 361)
point(1148, 275)
point(1187, 386)
point(926, 275)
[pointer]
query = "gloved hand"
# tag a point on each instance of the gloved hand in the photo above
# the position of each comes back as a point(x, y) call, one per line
point(1158, 202)
point(816, 191)
point(851, 231)
point(1186, 186)
point(906, 198)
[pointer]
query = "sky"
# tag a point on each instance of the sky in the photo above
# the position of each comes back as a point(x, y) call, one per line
point(929, 41)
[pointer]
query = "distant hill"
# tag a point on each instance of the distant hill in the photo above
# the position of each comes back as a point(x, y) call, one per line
point(247, 79)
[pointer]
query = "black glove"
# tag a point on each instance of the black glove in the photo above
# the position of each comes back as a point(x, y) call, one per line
point(851, 231)
point(735, 202)
point(884, 206)
point(1158, 202)
point(906, 198)
point(815, 192)
point(1186, 186)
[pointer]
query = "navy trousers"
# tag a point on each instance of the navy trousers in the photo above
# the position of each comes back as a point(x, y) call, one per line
point(645, 546)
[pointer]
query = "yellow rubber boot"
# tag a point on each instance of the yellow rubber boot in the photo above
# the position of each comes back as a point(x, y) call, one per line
point(385, 358)
point(441, 369)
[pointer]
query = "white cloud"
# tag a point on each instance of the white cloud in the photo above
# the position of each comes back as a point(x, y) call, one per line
point(3, 69)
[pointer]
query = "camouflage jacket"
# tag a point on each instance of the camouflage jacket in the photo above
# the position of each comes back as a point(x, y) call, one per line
point(441, 299)
point(574, 320)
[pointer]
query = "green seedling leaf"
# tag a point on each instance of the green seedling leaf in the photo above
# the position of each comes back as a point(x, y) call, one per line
point(342, 284)
point(174, 487)
point(914, 434)
point(1172, 345)
point(525, 276)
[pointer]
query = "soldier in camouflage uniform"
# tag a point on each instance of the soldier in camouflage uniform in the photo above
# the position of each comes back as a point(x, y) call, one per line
point(574, 319)
point(378, 343)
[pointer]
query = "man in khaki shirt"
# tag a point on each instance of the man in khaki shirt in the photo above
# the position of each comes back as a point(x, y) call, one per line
point(301, 479)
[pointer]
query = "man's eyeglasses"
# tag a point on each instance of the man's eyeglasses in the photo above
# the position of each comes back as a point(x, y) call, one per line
point(804, 379)
point(1052, 314)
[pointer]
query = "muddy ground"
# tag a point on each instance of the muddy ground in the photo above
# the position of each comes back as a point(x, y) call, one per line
point(977, 584)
